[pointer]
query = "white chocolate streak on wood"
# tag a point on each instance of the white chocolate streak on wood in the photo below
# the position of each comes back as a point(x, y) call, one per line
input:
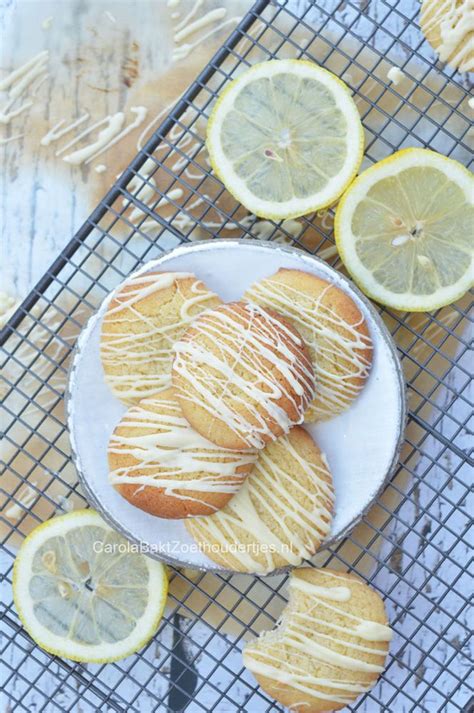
point(26, 498)
point(11, 78)
point(141, 112)
point(8, 305)
point(114, 124)
point(172, 195)
point(80, 136)
point(100, 168)
point(56, 132)
point(189, 16)
point(152, 123)
point(193, 176)
point(110, 17)
point(6, 117)
point(183, 50)
point(35, 88)
point(265, 230)
point(212, 16)
point(246, 41)
point(10, 139)
point(190, 153)
point(19, 87)
point(18, 82)
point(107, 137)
point(327, 253)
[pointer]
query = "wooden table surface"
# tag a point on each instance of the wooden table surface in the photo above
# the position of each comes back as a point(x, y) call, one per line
point(104, 57)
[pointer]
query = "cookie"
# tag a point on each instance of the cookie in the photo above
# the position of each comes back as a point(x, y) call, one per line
point(332, 326)
point(449, 28)
point(279, 516)
point(161, 465)
point(329, 646)
point(143, 320)
point(242, 375)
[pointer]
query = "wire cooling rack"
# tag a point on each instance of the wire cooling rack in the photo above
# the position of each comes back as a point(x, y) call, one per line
point(413, 545)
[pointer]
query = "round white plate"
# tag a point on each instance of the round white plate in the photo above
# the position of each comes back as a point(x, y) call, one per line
point(361, 445)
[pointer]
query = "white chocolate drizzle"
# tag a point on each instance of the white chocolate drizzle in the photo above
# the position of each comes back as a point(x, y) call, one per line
point(297, 515)
point(56, 132)
point(337, 347)
point(25, 498)
point(152, 123)
point(9, 139)
point(373, 631)
point(265, 230)
point(337, 594)
point(452, 22)
point(8, 305)
point(263, 360)
point(282, 654)
point(17, 83)
point(182, 51)
point(395, 75)
point(218, 14)
point(141, 112)
point(88, 130)
point(127, 354)
point(25, 70)
point(114, 125)
point(110, 135)
point(182, 24)
point(170, 455)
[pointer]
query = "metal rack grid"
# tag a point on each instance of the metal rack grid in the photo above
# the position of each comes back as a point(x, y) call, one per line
point(413, 545)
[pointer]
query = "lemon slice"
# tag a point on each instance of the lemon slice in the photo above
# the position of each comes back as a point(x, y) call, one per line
point(285, 138)
point(404, 230)
point(82, 594)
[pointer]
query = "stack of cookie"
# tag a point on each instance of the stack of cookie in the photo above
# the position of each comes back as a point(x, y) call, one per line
point(217, 394)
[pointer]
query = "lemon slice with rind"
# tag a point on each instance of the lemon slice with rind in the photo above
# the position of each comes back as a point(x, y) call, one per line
point(405, 230)
point(285, 138)
point(82, 594)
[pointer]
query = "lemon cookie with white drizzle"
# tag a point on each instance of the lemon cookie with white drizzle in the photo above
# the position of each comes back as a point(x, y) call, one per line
point(160, 464)
point(448, 25)
point(332, 326)
point(144, 318)
point(243, 375)
point(329, 647)
point(280, 515)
